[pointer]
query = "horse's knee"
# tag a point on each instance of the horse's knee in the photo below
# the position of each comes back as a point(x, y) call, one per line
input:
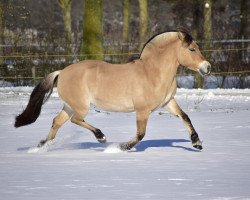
point(79, 116)
point(73, 120)
point(59, 120)
point(76, 120)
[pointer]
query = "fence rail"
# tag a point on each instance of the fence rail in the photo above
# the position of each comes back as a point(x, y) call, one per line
point(21, 67)
point(104, 54)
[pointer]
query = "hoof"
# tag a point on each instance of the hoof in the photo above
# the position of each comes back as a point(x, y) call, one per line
point(102, 140)
point(197, 144)
point(198, 147)
point(42, 143)
point(124, 146)
point(100, 136)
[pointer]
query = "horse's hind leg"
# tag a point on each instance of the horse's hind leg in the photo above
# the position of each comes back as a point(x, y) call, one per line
point(174, 108)
point(58, 121)
point(97, 132)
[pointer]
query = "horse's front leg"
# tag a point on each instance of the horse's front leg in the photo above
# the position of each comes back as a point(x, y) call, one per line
point(175, 109)
point(141, 122)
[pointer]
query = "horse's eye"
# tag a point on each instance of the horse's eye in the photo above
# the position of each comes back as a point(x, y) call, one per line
point(192, 49)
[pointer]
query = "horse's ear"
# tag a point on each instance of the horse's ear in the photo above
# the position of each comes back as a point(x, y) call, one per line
point(181, 36)
point(185, 38)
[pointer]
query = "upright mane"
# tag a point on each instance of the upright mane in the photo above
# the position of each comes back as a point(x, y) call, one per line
point(183, 35)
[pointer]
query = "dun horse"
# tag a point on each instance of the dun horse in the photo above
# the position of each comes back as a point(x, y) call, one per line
point(140, 86)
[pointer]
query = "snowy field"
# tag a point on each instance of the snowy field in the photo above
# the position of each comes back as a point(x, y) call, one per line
point(163, 166)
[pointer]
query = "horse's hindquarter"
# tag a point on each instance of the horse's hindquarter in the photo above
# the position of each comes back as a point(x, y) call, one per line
point(72, 84)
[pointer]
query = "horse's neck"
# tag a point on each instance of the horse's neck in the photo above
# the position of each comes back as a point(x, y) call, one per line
point(159, 43)
point(162, 59)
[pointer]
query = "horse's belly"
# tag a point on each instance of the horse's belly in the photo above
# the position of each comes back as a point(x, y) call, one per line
point(114, 106)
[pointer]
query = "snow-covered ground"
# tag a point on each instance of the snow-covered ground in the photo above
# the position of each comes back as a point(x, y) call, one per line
point(163, 166)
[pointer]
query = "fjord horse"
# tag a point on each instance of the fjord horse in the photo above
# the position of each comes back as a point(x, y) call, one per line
point(140, 86)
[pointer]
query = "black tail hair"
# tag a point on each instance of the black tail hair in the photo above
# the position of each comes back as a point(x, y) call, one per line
point(38, 97)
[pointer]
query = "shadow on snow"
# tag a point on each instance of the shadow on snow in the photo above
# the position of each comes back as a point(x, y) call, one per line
point(142, 146)
point(174, 143)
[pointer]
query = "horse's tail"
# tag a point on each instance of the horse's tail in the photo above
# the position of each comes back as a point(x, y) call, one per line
point(38, 97)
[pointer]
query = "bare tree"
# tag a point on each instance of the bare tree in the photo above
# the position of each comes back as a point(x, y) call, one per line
point(197, 19)
point(207, 22)
point(92, 42)
point(1, 32)
point(126, 11)
point(243, 24)
point(66, 7)
point(143, 4)
point(243, 19)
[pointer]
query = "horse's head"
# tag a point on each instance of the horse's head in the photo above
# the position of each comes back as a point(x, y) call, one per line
point(190, 56)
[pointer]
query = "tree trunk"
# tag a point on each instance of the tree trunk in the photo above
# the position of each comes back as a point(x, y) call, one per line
point(1, 33)
point(143, 4)
point(207, 23)
point(197, 20)
point(207, 29)
point(243, 18)
point(92, 42)
point(126, 11)
point(243, 26)
point(66, 7)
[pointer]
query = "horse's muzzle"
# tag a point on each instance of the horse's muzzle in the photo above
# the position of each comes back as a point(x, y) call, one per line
point(204, 68)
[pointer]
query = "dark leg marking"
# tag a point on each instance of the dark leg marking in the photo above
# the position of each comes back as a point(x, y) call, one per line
point(42, 142)
point(99, 135)
point(125, 146)
point(194, 136)
point(185, 117)
point(196, 141)
point(141, 123)
point(175, 109)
